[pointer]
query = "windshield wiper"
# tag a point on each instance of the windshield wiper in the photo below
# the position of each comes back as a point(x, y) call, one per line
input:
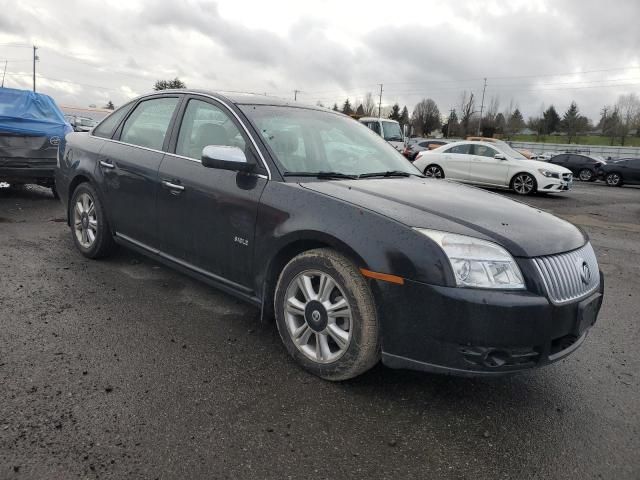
point(388, 173)
point(320, 175)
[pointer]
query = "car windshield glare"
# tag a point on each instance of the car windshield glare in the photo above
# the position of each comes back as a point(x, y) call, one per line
point(305, 140)
point(392, 132)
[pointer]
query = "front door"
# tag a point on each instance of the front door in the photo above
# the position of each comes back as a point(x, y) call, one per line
point(456, 161)
point(207, 216)
point(130, 165)
point(485, 169)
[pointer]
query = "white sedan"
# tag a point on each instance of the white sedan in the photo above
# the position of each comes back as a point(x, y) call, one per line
point(493, 164)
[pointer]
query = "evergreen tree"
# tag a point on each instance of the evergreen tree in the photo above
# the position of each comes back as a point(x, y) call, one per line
point(110, 105)
point(551, 120)
point(346, 108)
point(360, 110)
point(572, 122)
point(395, 112)
point(335, 107)
point(404, 117)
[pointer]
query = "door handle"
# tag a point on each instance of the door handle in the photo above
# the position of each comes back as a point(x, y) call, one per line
point(173, 186)
point(106, 164)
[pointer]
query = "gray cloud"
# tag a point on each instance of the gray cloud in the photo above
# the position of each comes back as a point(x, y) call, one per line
point(123, 48)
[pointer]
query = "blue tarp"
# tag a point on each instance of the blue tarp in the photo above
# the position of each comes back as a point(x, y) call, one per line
point(24, 112)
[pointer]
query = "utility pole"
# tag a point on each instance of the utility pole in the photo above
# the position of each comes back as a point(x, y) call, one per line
point(35, 57)
point(380, 102)
point(4, 73)
point(449, 122)
point(295, 95)
point(482, 106)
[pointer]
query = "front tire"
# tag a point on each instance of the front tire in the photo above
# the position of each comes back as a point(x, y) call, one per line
point(89, 226)
point(524, 184)
point(434, 171)
point(613, 179)
point(326, 315)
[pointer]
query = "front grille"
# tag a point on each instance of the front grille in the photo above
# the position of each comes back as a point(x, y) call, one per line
point(567, 177)
point(569, 276)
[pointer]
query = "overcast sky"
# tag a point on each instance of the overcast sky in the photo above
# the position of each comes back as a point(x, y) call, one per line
point(532, 52)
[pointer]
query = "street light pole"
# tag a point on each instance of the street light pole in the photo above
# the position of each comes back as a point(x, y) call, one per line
point(380, 102)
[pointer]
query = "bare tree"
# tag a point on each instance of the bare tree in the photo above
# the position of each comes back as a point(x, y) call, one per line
point(628, 107)
point(369, 104)
point(426, 117)
point(467, 109)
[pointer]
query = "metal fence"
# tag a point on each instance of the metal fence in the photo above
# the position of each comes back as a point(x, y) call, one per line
point(600, 150)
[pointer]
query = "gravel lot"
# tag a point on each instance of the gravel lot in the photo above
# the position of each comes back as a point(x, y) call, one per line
point(122, 368)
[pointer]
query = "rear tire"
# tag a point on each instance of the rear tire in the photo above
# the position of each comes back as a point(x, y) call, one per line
point(326, 315)
point(434, 171)
point(586, 175)
point(89, 225)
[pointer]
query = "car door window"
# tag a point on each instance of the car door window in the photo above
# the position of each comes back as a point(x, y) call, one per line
point(109, 124)
point(148, 123)
point(206, 124)
point(375, 126)
point(460, 149)
point(484, 151)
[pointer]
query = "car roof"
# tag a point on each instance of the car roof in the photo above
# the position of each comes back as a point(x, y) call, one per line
point(243, 98)
point(369, 119)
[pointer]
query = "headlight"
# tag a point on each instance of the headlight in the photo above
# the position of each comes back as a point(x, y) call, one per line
point(477, 263)
point(549, 174)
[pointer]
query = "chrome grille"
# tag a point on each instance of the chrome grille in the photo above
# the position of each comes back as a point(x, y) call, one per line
point(569, 276)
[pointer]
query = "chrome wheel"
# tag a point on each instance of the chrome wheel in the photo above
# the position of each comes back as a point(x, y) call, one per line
point(523, 184)
point(585, 175)
point(613, 179)
point(85, 220)
point(318, 316)
point(434, 171)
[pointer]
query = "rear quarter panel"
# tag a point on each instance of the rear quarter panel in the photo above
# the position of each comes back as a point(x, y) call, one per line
point(77, 157)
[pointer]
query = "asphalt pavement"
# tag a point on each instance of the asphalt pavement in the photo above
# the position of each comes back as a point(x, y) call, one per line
point(122, 368)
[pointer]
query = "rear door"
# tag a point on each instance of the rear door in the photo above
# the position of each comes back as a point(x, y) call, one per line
point(207, 216)
point(456, 160)
point(484, 168)
point(129, 166)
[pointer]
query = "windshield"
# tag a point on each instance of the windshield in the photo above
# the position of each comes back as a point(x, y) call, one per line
point(392, 131)
point(86, 122)
point(506, 148)
point(312, 141)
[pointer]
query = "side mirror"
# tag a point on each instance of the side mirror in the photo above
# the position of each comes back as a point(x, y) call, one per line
point(499, 156)
point(225, 157)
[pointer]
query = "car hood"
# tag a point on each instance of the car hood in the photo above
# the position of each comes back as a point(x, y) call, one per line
point(448, 206)
point(534, 164)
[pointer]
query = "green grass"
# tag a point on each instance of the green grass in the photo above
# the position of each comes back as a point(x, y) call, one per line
point(583, 140)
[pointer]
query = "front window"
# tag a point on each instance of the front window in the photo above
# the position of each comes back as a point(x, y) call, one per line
point(506, 149)
point(392, 132)
point(312, 141)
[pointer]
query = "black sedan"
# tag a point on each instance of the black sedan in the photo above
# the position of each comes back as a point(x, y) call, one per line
point(584, 167)
point(413, 148)
point(319, 222)
point(621, 171)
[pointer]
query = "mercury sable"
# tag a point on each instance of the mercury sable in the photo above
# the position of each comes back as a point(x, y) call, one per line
point(319, 222)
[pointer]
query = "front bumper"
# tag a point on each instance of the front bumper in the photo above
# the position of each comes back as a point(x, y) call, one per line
point(555, 185)
point(474, 332)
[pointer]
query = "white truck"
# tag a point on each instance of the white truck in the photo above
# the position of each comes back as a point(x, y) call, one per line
point(388, 129)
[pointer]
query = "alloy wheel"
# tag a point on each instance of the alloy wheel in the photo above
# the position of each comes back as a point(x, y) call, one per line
point(613, 179)
point(318, 316)
point(85, 220)
point(585, 175)
point(433, 171)
point(523, 184)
